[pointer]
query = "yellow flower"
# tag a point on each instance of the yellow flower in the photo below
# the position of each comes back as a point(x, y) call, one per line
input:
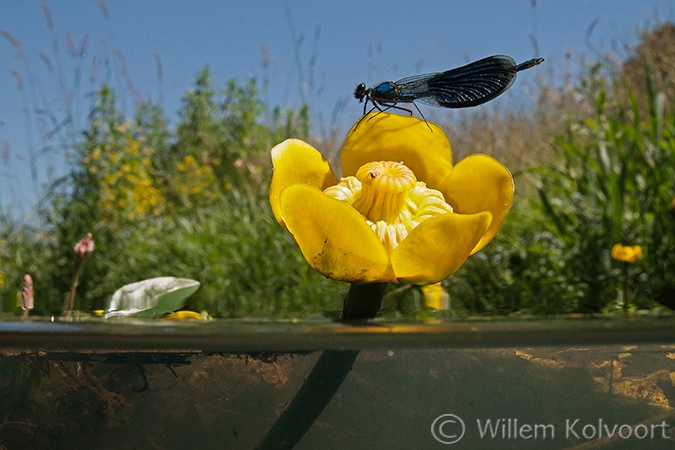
point(627, 253)
point(435, 297)
point(402, 212)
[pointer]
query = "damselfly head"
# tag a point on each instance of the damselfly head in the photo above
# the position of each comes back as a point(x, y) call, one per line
point(360, 92)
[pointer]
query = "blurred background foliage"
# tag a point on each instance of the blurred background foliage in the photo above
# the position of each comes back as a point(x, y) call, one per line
point(593, 159)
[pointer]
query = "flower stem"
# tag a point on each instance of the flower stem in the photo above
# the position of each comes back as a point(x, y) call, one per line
point(625, 287)
point(316, 392)
point(363, 301)
point(73, 287)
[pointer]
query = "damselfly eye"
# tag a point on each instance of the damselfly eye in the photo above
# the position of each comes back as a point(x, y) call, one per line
point(360, 91)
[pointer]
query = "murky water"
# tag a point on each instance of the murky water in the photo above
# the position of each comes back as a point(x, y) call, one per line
point(582, 384)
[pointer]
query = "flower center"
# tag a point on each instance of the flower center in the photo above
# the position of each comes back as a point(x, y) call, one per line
point(384, 185)
point(391, 199)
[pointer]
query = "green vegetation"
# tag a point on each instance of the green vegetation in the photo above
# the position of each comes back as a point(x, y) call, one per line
point(609, 180)
point(594, 162)
point(191, 203)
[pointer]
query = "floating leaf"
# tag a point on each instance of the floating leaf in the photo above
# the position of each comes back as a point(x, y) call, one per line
point(151, 297)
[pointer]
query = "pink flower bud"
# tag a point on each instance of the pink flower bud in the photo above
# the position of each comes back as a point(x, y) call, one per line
point(84, 247)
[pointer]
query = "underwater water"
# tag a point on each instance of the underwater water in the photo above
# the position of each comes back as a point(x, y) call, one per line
point(521, 384)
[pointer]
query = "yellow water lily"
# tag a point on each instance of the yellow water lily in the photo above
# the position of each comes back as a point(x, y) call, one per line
point(627, 253)
point(401, 212)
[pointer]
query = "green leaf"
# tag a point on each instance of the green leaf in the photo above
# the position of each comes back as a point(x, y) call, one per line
point(151, 297)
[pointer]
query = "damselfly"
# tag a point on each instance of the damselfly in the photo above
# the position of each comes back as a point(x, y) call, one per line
point(470, 85)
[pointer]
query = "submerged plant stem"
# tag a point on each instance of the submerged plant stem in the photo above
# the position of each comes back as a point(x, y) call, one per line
point(315, 393)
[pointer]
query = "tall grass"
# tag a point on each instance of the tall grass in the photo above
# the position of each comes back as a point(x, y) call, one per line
point(615, 187)
point(606, 179)
point(194, 207)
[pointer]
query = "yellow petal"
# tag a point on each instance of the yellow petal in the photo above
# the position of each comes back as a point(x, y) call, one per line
point(184, 315)
point(391, 137)
point(438, 247)
point(480, 183)
point(297, 162)
point(333, 237)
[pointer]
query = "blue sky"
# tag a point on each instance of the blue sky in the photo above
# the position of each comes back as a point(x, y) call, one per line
point(339, 44)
